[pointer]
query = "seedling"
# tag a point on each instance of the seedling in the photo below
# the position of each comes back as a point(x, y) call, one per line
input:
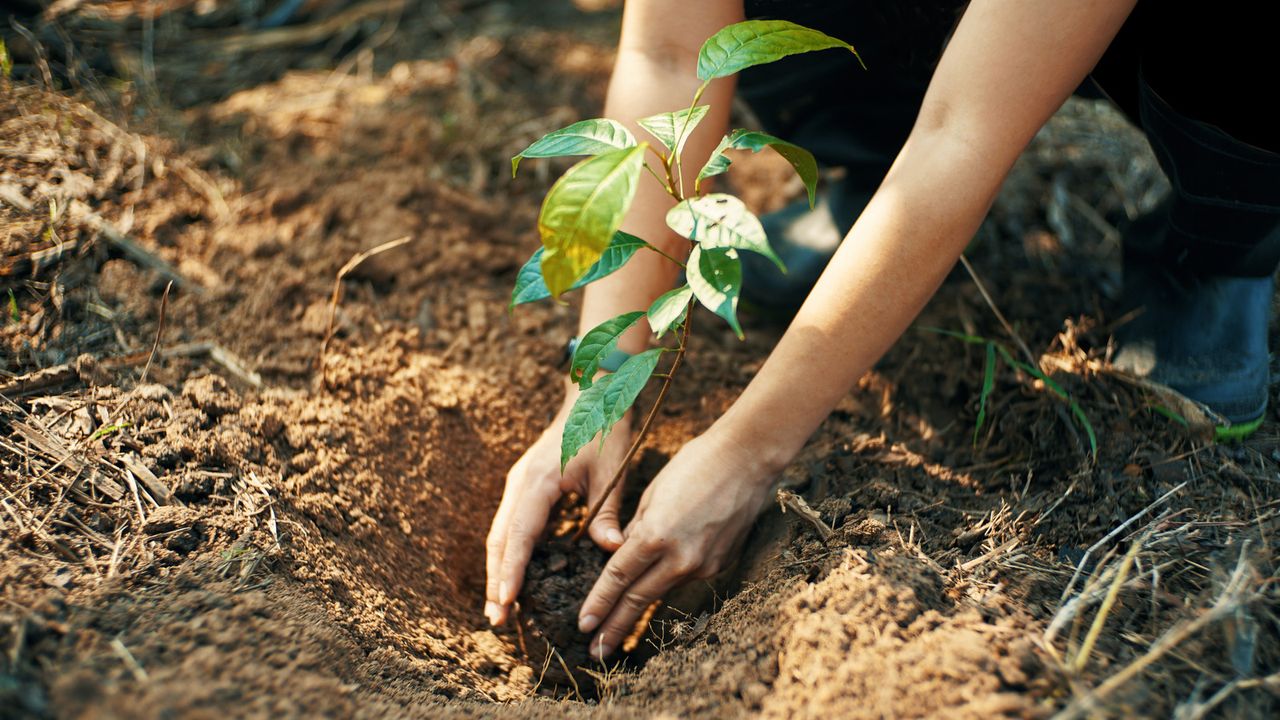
point(582, 212)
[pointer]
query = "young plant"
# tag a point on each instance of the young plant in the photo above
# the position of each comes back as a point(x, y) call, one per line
point(581, 242)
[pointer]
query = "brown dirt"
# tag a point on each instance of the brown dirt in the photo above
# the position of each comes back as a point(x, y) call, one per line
point(559, 577)
point(195, 543)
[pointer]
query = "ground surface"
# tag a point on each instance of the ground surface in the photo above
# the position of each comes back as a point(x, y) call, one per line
point(239, 521)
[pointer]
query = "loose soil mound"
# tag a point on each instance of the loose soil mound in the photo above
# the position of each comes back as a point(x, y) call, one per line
point(212, 508)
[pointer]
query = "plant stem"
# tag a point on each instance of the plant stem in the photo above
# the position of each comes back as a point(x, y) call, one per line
point(660, 252)
point(658, 177)
point(675, 151)
point(644, 428)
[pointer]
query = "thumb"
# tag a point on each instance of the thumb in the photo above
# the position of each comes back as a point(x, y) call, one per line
point(604, 529)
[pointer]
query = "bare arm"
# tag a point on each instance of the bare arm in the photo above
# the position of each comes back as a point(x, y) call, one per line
point(655, 72)
point(1009, 66)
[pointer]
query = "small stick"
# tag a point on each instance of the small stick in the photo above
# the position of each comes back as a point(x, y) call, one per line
point(39, 380)
point(130, 661)
point(155, 346)
point(1230, 599)
point(567, 671)
point(352, 264)
point(259, 40)
point(791, 501)
point(982, 288)
point(131, 249)
point(1082, 657)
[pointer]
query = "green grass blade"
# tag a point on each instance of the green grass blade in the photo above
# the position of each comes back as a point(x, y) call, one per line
point(988, 382)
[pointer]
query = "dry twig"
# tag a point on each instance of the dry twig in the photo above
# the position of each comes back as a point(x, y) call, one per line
point(351, 264)
point(791, 501)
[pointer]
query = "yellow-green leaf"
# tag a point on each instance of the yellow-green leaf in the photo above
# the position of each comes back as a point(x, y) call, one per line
point(583, 210)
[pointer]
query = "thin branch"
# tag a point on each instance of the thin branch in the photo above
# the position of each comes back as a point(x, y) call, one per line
point(982, 288)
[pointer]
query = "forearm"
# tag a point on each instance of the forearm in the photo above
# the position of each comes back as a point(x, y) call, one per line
point(656, 72)
point(887, 268)
point(1008, 68)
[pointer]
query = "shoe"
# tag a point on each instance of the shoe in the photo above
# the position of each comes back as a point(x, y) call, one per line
point(1205, 336)
point(804, 240)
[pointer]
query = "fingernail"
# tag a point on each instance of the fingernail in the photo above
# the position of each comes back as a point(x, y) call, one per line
point(588, 623)
point(492, 611)
point(504, 593)
point(614, 536)
point(602, 652)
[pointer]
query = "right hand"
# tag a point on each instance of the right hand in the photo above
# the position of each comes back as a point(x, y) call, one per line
point(534, 485)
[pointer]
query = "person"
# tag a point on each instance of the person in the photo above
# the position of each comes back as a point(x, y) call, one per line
point(928, 133)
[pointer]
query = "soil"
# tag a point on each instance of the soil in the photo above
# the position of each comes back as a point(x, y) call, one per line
point(560, 575)
point(208, 510)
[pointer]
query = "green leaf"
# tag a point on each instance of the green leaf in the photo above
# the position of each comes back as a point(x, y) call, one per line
point(988, 382)
point(530, 286)
point(970, 339)
point(721, 221)
point(598, 344)
point(587, 137)
point(669, 310)
point(757, 42)
point(715, 275)
point(672, 129)
point(802, 160)
point(582, 211)
point(601, 406)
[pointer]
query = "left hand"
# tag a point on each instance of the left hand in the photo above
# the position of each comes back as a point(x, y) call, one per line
point(690, 519)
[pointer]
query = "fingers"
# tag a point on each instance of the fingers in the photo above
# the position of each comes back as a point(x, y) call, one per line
point(528, 518)
point(494, 544)
point(617, 594)
point(632, 605)
point(605, 529)
point(496, 541)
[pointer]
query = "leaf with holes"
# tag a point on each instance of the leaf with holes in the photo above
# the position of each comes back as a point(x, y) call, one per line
point(529, 284)
point(802, 160)
point(715, 275)
point(598, 344)
point(757, 42)
point(582, 211)
point(672, 129)
point(669, 310)
point(587, 137)
point(721, 221)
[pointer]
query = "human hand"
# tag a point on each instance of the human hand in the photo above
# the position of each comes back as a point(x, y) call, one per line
point(690, 520)
point(534, 485)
